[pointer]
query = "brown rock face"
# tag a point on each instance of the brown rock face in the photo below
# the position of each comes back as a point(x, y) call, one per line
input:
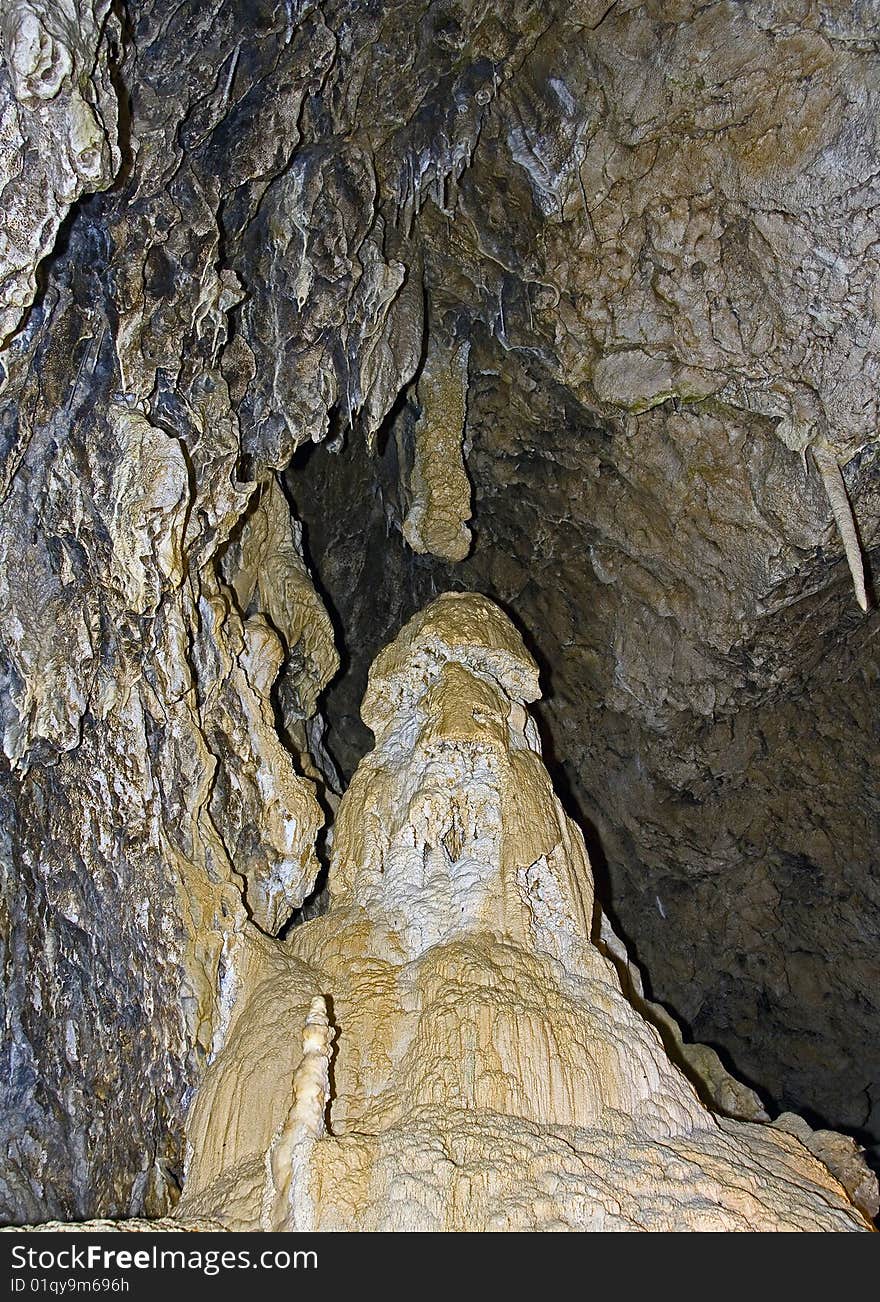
point(590, 291)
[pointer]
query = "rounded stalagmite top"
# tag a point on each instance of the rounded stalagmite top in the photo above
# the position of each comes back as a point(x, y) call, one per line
point(462, 627)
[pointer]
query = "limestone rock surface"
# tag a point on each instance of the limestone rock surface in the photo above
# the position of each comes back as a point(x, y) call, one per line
point(58, 129)
point(160, 1225)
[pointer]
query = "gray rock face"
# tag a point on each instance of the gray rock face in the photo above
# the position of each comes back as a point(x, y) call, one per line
point(58, 116)
point(655, 226)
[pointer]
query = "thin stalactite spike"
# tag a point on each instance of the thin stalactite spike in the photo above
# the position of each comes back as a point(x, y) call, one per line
point(832, 478)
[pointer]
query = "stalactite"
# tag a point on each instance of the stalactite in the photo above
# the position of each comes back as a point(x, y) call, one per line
point(440, 491)
point(829, 468)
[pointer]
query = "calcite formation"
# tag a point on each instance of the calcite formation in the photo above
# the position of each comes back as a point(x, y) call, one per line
point(665, 239)
point(487, 1072)
point(439, 486)
point(843, 516)
point(159, 1225)
point(309, 312)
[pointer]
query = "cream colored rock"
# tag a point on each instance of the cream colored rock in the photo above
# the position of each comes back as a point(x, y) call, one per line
point(841, 1155)
point(393, 347)
point(488, 1072)
point(841, 509)
point(150, 492)
point(441, 490)
point(272, 815)
point(58, 116)
point(135, 1225)
point(268, 573)
point(288, 1201)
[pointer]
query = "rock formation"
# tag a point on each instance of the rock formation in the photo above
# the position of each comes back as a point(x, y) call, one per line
point(58, 125)
point(665, 245)
point(488, 1073)
point(309, 312)
point(441, 507)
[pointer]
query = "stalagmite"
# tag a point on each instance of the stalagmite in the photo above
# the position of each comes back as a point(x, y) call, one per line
point(490, 1074)
point(352, 304)
point(287, 1202)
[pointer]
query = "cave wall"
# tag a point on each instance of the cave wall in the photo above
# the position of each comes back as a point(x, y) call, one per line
point(239, 227)
point(150, 807)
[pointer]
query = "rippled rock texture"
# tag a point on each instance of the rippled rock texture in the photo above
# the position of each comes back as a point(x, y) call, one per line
point(617, 267)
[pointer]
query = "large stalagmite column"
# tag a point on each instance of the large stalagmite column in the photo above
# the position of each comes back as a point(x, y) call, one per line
point(487, 1072)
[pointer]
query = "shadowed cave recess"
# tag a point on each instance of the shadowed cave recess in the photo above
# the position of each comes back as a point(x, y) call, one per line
point(348, 305)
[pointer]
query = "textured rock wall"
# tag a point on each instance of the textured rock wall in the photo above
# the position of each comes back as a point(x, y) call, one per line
point(667, 232)
point(149, 804)
point(59, 118)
